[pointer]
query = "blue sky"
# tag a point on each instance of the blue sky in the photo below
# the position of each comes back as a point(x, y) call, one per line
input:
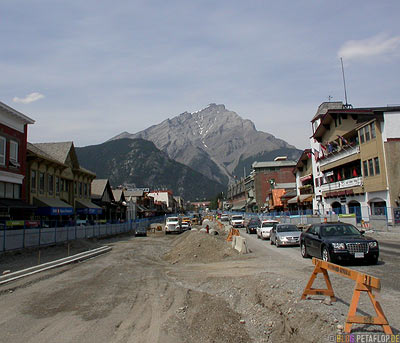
point(88, 70)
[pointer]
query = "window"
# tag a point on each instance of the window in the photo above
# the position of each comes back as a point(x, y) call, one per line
point(50, 179)
point(17, 191)
point(13, 151)
point(33, 180)
point(80, 188)
point(41, 182)
point(2, 151)
point(362, 139)
point(367, 136)
point(9, 190)
point(2, 189)
point(62, 185)
point(365, 168)
point(373, 133)
point(85, 188)
point(57, 185)
point(75, 187)
point(377, 169)
point(371, 167)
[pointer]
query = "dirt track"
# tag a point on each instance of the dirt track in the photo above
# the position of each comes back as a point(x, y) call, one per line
point(187, 288)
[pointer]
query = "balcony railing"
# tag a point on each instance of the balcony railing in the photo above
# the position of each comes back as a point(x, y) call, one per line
point(338, 155)
point(354, 182)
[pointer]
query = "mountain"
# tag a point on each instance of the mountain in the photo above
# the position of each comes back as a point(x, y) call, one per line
point(139, 162)
point(214, 141)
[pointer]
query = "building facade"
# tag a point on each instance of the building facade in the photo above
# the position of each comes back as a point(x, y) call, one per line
point(355, 163)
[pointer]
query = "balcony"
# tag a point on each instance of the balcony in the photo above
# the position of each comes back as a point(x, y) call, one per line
point(354, 182)
point(338, 155)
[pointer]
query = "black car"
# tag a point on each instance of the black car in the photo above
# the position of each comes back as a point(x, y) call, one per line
point(336, 242)
point(252, 225)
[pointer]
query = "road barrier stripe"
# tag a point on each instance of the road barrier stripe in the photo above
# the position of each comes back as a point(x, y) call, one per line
point(364, 283)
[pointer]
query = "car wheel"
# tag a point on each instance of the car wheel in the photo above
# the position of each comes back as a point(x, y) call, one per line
point(304, 250)
point(325, 255)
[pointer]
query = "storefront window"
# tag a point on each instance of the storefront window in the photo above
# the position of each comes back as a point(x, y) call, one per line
point(9, 190)
point(17, 191)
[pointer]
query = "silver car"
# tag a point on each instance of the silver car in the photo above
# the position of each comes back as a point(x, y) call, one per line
point(285, 234)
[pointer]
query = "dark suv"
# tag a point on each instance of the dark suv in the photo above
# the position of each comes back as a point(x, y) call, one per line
point(252, 225)
point(335, 242)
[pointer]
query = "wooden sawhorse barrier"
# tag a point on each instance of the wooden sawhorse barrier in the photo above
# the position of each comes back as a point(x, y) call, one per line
point(232, 232)
point(364, 283)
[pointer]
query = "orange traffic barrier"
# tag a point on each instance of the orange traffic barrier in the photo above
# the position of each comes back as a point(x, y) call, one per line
point(364, 283)
point(232, 232)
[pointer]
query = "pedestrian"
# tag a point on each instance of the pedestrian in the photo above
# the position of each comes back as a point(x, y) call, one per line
point(207, 229)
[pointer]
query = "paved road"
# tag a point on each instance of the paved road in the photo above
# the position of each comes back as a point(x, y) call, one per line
point(387, 269)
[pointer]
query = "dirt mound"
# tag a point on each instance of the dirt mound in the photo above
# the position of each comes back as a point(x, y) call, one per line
point(194, 246)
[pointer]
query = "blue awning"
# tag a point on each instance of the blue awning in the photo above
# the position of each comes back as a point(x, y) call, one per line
point(85, 206)
point(52, 207)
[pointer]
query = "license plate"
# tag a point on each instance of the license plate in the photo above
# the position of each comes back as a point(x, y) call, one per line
point(359, 255)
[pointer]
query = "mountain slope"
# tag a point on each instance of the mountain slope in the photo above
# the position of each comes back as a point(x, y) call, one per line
point(214, 141)
point(139, 162)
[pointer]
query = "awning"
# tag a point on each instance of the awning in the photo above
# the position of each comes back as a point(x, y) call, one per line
point(301, 198)
point(240, 205)
point(85, 206)
point(52, 207)
point(15, 203)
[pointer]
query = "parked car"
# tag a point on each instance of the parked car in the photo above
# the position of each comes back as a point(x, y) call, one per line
point(224, 218)
point(252, 225)
point(173, 224)
point(237, 220)
point(336, 242)
point(285, 234)
point(264, 230)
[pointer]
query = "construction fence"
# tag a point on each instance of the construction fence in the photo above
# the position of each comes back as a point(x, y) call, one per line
point(16, 239)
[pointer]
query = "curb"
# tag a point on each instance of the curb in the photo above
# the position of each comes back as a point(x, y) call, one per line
point(54, 264)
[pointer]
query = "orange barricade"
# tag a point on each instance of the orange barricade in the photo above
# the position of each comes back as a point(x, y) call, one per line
point(232, 232)
point(364, 283)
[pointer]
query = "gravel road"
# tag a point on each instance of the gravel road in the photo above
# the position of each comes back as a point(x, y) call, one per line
point(186, 288)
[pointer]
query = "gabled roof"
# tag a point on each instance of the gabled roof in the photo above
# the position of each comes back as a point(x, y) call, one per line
point(20, 116)
point(118, 195)
point(33, 149)
point(325, 106)
point(135, 193)
point(98, 188)
point(58, 151)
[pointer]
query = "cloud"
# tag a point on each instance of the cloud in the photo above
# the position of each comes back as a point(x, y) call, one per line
point(378, 45)
point(35, 96)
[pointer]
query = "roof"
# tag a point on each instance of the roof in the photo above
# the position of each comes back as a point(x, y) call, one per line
point(271, 164)
point(325, 106)
point(20, 116)
point(50, 202)
point(287, 185)
point(135, 193)
point(98, 187)
point(305, 155)
point(117, 193)
point(301, 198)
point(40, 153)
point(58, 151)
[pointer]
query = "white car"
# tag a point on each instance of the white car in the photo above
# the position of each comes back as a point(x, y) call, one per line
point(264, 231)
point(172, 224)
point(237, 220)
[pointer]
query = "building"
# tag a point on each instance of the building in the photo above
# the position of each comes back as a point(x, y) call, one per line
point(102, 196)
point(57, 185)
point(303, 199)
point(355, 164)
point(120, 201)
point(266, 175)
point(165, 197)
point(13, 144)
point(236, 195)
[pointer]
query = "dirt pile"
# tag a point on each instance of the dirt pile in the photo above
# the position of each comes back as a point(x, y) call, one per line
point(199, 247)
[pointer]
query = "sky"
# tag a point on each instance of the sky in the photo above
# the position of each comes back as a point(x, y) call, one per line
point(88, 70)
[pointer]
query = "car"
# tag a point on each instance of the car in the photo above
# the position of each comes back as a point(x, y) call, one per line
point(337, 242)
point(237, 220)
point(252, 225)
point(285, 234)
point(224, 218)
point(264, 230)
point(186, 226)
point(172, 225)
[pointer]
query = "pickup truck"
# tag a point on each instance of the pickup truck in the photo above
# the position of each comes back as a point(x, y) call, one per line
point(172, 225)
point(237, 220)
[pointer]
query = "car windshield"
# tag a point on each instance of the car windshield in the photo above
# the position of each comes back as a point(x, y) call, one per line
point(237, 217)
point(172, 219)
point(339, 230)
point(268, 224)
point(287, 228)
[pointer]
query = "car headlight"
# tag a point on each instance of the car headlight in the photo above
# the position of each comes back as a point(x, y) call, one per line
point(339, 246)
point(373, 244)
point(282, 239)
